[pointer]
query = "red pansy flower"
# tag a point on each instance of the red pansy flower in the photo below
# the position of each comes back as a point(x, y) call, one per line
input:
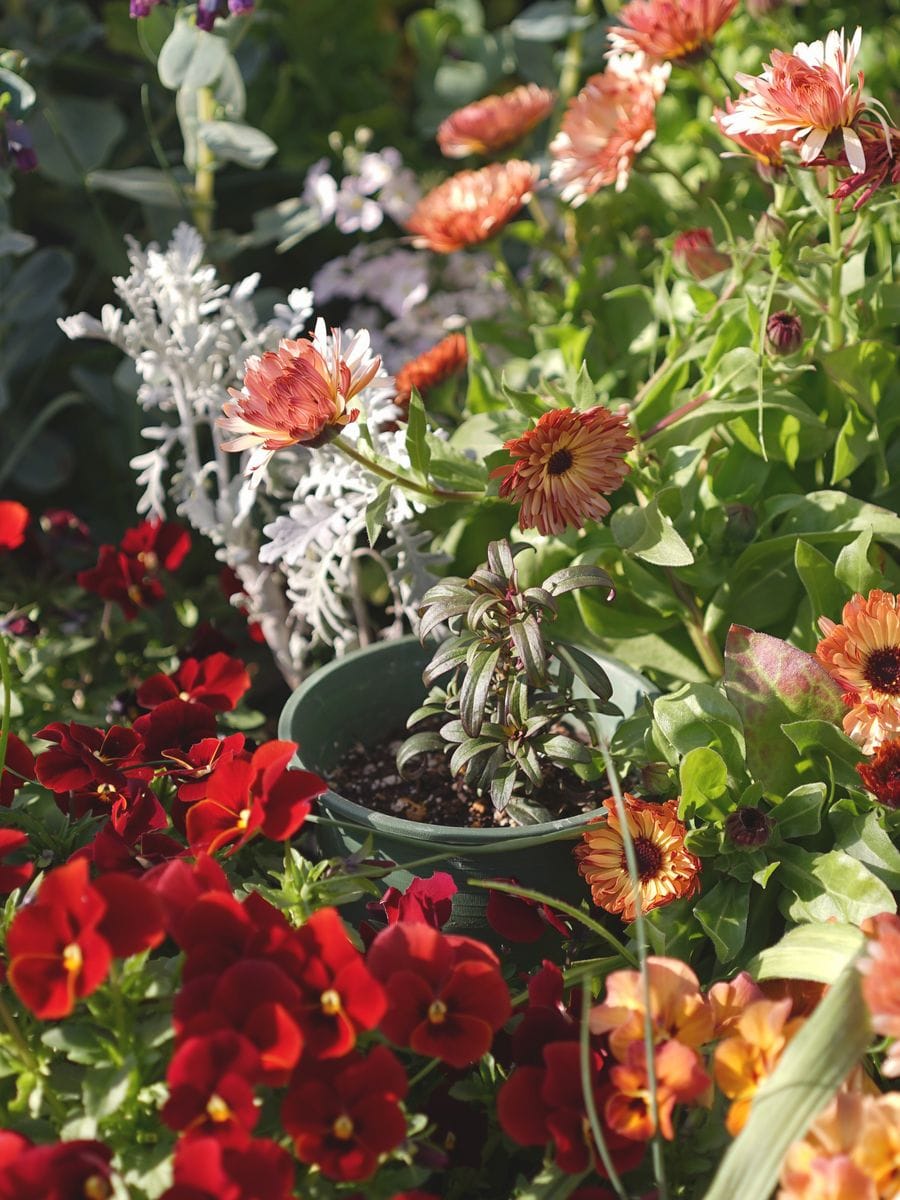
point(63, 1171)
point(446, 996)
point(174, 725)
point(13, 876)
point(519, 920)
point(178, 887)
point(84, 756)
point(340, 994)
point(14, 518)
point(429, 901)
point(217, 681)
point(156, 544)
point(56, 952)
point(194, 766)
point(134, 919)
point(207, 1169)
point(211, 1082)
point(17, 770)
point(121, 580)
point(244, 796)
point(346, 1119)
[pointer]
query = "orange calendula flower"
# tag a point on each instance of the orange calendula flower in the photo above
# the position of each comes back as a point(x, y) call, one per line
point(678, 1010)
point(494, 122)
point(851, 1152)
point(766, 148)
point(680, 1079)
point(743, 1061)
point(881, 984)
point(672, 30)
point(471, 206)
point(606, 126)
point(862, 654)
point(667, 870)
point(565, 468)
point(299, 394)
point(447, 358)
point(807, 96)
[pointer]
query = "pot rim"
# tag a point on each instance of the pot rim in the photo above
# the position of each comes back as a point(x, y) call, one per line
point(417, 832)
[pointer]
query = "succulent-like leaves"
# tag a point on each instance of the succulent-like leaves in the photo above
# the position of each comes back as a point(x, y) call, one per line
point(571, 579)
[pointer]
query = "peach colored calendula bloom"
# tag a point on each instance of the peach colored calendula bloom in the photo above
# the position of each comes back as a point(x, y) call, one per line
point(862, 654)
point(851, 1152)
point(766, 148)
point(677, 1007)
point(471, 206)
point(605, 127)
point(673, 30)
point(447, 358)
point(494, 122)
point(565, 467)
point(299, 394)
point(807, 95)
point(667, 870)
point(743, 1061)
point(881, 984)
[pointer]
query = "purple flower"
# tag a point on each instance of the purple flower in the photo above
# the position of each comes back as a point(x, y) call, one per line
point(19, 146)
point(143, 8)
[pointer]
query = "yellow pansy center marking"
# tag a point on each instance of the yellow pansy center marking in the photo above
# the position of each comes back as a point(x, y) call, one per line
point(217, 1110)
point(343, 1127)
point(331, 1003)
point(72, 958)
point(437, 1012)
point(243, 818)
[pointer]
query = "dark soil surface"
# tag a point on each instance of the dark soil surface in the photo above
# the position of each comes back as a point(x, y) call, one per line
point(369, 776)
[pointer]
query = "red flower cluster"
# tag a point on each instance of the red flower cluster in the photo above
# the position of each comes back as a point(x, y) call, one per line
point(128, 574)
point(57, 1172)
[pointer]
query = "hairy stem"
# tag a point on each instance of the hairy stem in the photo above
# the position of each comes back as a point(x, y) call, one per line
point(835, 298)
point(204, 175)
point(401, 481)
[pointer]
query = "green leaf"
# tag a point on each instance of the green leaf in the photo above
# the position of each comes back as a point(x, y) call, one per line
point(863, 836)
point(146, 185)
point(416, 428)
point(549, 21)
point(191, 58)
point(21, 92)
point(236, 142)
point(376, 511)
point(823, 742)
point(419, 743)
point(529, 645)
point(820, 887)
point(799, 814)
point(475, 689)
point(564, 749)
point(647, 534)
point(814, 1065)
point(722, 913)
point(854, 569)
point(772, 683)
point(80, 139)
point(699, 715)
point(704, 780)
point(551, 1183)
point(817, 952)
point(818, 576)
point(586, 668)
point(105, 1089)
point(581, 575)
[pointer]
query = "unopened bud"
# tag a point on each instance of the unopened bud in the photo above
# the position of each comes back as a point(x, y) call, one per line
point(657, 779)
point(784, 333)
point(748, 827)
point(694, 251)
point(741, 523)
point(769, 228)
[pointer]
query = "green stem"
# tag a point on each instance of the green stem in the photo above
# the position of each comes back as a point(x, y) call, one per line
point(729, 83)
point(835, 298)
point(571, 67)
point(587, 1091)
point(402, 481)
point(660, 168)
point(420, 1075)
point(204, 174)
point(54, 1103)
point(640, 937)
point(570, 910)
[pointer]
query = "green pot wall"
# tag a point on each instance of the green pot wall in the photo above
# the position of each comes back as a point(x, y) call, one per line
point(368, 695)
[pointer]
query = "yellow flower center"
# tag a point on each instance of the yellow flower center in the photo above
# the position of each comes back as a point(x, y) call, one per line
point(343, 1127)
point(437, 1012)
point(331, 1004)
point(217, 1110)
point(96, 1188)
point(243, 818)
point(184, 695)
point(72, 958)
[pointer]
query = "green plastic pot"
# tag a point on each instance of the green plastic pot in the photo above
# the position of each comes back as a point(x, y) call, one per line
point(367, 696)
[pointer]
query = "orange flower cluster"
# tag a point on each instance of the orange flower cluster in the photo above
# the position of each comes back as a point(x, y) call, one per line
point(471, 206)
point(447, 358)
point(667, 869)
point(881, 984)
point(744, 1060)
point(851, 1152)
point(494, 122)
point(672, 30)
point(862, 654)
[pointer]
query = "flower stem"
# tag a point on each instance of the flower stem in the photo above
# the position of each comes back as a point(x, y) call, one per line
point(204, 174)
point(401, 481)
point(28, 1059)
point(835, 300)
point(587, 1091)
point(571, 67)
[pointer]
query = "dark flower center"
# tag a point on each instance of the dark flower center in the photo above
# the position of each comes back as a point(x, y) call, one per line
point(560, 461)
point(882, 670)
point(649, 858)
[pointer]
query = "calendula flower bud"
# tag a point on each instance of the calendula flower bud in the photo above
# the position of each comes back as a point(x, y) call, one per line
point(769, 228)
point(694, 252)
point(784, 333)
point(748, 827)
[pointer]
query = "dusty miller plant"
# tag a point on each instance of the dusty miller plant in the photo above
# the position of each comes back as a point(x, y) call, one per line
point(513, 710)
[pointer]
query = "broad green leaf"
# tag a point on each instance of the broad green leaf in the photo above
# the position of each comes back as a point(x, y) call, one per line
point(191, 58)
point(699, 715)
point(82, 135)
point(549, 21)
point(800, 813)
point(723, 912)
point(105, 1088)
point(21, 92)
point(808, 1074)
point(863, 836)
point(772, 683)
point(854, 570)
point(817, 952)
point(832, 885)
point(826, 595)
point(236, 142)
point(649, 535)
point(146, 185)
point(704, 780)
point(823, 742)
point(416, 445)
